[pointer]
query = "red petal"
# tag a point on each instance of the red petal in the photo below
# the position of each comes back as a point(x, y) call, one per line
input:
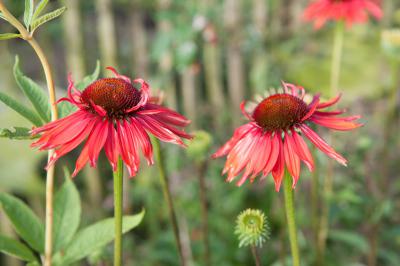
point(322, 145)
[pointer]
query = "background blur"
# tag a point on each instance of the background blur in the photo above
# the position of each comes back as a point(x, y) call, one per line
point(207, 56)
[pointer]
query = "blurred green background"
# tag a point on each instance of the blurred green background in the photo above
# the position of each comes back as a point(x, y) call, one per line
point(207, 56)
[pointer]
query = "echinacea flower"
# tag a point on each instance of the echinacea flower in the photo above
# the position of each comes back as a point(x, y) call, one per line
point(114, 115)
point(349, 11)
point(274, 136)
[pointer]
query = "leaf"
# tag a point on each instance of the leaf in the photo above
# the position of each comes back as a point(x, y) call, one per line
point(28, 13)
point(24, 221)
point(90, 78)
point(96, 236)
point(47, 17)
point(66, 108)
point(19, 133)
point(15, 248)
point(67, 212)
point(42, 4)
point(350, 238)
point(7, 36)
point(33, 91)
point(21, 109)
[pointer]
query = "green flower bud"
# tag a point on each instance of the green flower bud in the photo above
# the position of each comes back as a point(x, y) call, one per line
point(390, 41)
point(251, 228)
point(198, 148)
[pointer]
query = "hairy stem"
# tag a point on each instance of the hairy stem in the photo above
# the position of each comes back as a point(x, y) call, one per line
point(167, 196)
point(54, 115)
point(118, 189)
point(290, 218)
point(256, 256)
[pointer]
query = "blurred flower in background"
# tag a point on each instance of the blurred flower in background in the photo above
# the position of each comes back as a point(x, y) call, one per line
point(349, 11)
point(271, 139)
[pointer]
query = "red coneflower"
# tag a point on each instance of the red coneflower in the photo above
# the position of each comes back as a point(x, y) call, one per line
point(274, 136)
point(350, 11)
point(113, 115)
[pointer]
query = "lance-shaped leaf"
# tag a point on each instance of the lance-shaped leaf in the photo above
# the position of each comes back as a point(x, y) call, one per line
point(47, 17)
point(18, 133)
point(33, 91)
point(7, 36)
point(28, 13)
point(42, 4)
point(66, 108)
point(16, 249)
point(21, 109)
point(24, 221)
point(96, 236)
point(67, 212)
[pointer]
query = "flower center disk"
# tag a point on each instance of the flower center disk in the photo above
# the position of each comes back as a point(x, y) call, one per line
point(114, 95)
point(279, 111)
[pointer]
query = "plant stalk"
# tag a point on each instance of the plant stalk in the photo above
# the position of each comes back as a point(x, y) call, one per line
point(54, 115)
point(168, 197)
point(256, 256)
point(118, 191)
point(204, 212)
point(328, 182)
point(290, 218)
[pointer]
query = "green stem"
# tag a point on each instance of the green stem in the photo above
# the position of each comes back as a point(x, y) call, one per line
point(167, 195)
point(290, 218)
point(328, 184)
point(118, 187)
point(256, 256)
point(336, 56)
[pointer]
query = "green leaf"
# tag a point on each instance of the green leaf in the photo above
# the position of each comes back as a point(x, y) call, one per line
point(42, 4)
point(15, 248)
point(33, 263)
point(2, 16)
point(28, 13)
point(65, 108)
point(7, 36)
point(90, 78)
point(24, 221)
point(18, 133)
point(33, 91)
point(21, 109)
point(96, 236)
point(67, 212)
point(350, 238)
point(47, 17)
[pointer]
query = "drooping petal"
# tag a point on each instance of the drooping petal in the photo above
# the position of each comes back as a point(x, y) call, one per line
point(279, 168)
point(143, 141)
point(237, 135)
point(111, 147)
point(158, 130)
point(274, 151)
point(337, 123)
point(291, 159)
point(302, 150)
point(322, 145)
point(72, 144)
point(97, 140)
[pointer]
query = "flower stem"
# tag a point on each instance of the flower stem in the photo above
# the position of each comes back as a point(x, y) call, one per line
point(167, 196)
point(25, 35)
point(256, 256)
point(204, 212)
point(336, 57)
point(118, 188)
point(328, 182)
point(290, 218)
